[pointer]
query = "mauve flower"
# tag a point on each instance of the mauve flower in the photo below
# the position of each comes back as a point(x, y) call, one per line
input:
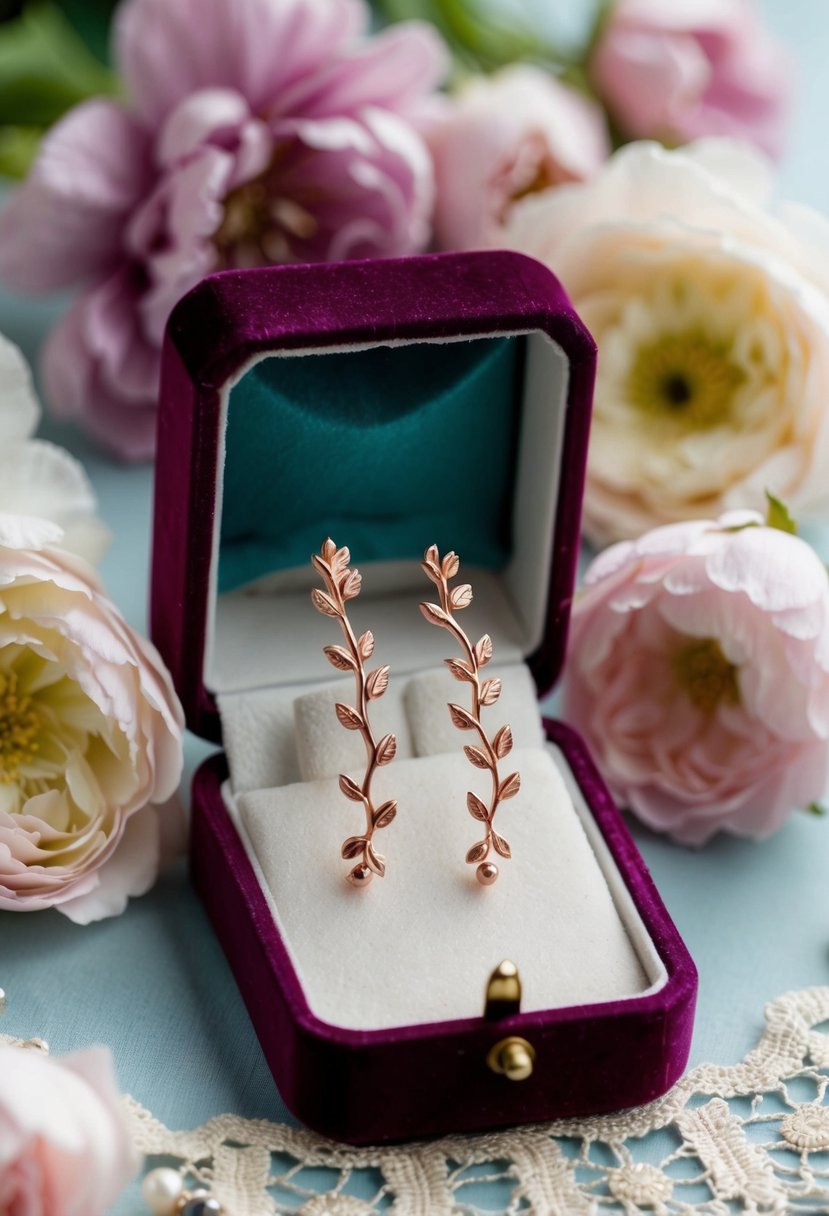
point(681, 70)
point(257, 131)
point(698, 673)
point(711, 315)
point(90, 736)
point(64, 1145)
point(38, 479)
point(507, 136)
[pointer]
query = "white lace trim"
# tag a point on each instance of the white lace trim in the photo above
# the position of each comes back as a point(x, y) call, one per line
point(753, 1138)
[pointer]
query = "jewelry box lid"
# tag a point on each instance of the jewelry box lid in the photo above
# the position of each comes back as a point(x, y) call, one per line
point(460, 384)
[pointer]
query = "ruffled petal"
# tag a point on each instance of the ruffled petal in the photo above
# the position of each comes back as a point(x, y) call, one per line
point(100, 370)
point(65, 224)
point(167, 49)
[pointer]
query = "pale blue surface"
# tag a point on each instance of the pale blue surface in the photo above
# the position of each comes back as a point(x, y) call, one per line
point(154, 985)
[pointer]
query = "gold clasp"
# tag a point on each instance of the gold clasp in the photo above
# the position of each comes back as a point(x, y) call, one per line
point(512, 1057)
point(503, 992)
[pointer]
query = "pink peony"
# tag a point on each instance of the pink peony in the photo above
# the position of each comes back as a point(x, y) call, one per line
point(257, 131)
point(90, 736)
point(692, 68)
point(699, 675)
point(64, 1147)
point(509, 135)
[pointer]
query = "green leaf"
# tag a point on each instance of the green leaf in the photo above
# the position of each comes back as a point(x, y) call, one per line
point(778, 515)
point(18, 148)
point(481, 37)
point(45, 68)
point(815, 808)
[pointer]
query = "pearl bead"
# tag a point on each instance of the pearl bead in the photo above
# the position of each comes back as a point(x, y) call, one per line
point(360, 876)
point(161, 1190)
point(199, 1205)
point(486, 873)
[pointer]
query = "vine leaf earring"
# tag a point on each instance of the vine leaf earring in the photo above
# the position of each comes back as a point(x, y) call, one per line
point(467, 670)
point(343, 584)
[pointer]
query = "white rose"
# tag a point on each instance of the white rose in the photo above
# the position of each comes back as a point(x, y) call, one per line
point(39, 480)
point(711, 316)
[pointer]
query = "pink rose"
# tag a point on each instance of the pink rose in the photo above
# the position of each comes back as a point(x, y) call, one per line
point(698, 673)
point(691, 68)
point(257, 131)
point(90, 740)
point(64, 1148)
point(509, 135)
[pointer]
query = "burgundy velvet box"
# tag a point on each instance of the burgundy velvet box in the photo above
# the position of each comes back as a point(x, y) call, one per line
point(395, 404)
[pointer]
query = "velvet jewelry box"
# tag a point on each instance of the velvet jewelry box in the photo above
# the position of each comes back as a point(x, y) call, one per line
point(393, 405)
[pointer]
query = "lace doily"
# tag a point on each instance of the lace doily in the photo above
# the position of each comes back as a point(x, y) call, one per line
point(750, 1138)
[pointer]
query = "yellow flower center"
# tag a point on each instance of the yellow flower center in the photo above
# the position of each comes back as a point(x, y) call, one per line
point(705, 675)
point(260, 225)
point(19, 729)
point(685, 376)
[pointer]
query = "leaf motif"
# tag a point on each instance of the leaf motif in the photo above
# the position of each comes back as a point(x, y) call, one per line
point(353, 847)
point(483, 650)
point(779, 516)
point(350, 788)
point(502, 743)
point(386, 749)
point(339, 657)
point(434, 614)
point(509, 787)
point(501, 845)
point(328, 549)
point(477, 852)
point(461, 597)
point(490, 692)
point(477, 757)
point(431, 571)
point(375, 861)
point(365, 644)
point(476, 807)
point(351, 585)
point(322, 568)
point(432, 555)
point(385, 814)
point(450, 565)
point(461, 717)
point(377, 682)
point(348, 717)
point(460, 670)
point(323, 603)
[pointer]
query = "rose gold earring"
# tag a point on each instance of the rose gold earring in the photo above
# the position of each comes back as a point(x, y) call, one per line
point(343, 584)
point(468, 671)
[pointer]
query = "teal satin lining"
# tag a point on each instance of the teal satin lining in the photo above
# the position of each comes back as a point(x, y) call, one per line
point(387, 450)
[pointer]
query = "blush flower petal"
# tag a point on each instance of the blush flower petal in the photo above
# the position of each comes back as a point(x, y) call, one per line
point(65, 224)
point(255, 132)
point(507, 136)
point(167, 49)
point(98, 367)
point(64, 1144)
point(690, 69)
point(706, 705)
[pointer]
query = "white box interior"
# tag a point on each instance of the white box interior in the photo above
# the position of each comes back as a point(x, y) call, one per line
point(419, 945)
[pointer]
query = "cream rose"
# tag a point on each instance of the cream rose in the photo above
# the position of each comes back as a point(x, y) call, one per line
point(90, 735)
point(711, 316)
